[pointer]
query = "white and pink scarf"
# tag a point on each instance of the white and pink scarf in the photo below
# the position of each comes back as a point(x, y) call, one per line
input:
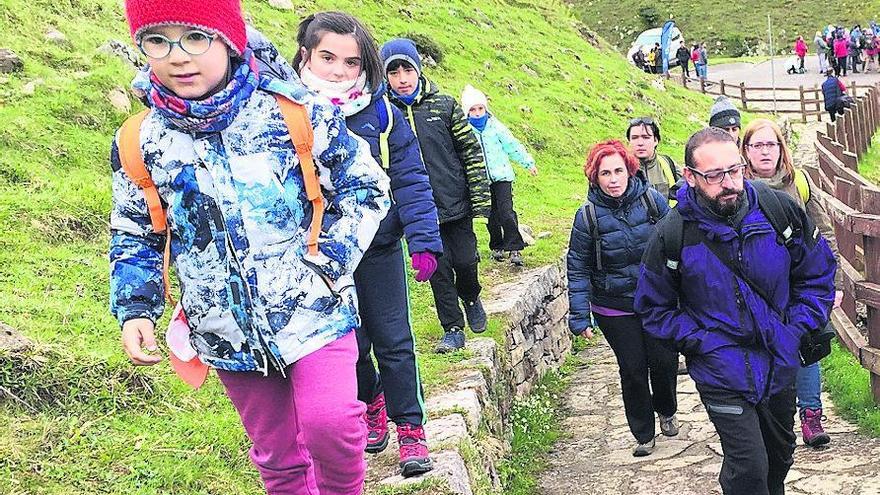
point(350, 96)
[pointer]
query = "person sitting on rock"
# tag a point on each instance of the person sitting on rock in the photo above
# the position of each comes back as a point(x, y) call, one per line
point(608, 238)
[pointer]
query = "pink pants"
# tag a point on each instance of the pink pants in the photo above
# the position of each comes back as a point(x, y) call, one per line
point(307, 430)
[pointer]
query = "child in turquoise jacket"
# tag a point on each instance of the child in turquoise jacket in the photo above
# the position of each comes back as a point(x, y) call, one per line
point(499, 147)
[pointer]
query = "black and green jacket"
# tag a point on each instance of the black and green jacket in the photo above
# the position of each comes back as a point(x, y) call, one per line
point(451, 152)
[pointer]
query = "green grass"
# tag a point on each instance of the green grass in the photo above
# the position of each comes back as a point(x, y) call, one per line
point(756, 59)
point(869, 165)
point(732, 28)
point(84, 420)
point(850, 388)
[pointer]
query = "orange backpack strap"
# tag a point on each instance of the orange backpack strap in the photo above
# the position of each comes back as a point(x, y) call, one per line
point(132, 160)
point(299, 125)
point(133, 164)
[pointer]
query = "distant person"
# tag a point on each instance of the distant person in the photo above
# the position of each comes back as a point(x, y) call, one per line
point(658, 59)
point(821, 51)
point(871, 50)
point(499, 148)
point(638, 58)
point(841, 53)
point(652, 56)
point(856, 43)
point(608, 238)
point(725, 116)
point(643, 135)
point(702, 64)
point(800, 49)
point(683, 55)
point(834, 93)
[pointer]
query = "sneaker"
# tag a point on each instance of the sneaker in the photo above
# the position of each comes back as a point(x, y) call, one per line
point(644, 449)
point(516, 258)
point(414, 456)
point(668, 425)
point(811, 428)
point(476, 315)
point(453, 340)
point(497, 255)
point(377, 425)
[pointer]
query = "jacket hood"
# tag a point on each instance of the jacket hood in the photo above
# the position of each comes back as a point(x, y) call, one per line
point(636, 187)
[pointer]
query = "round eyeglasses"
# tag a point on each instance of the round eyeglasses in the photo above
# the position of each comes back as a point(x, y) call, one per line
point(194, 42)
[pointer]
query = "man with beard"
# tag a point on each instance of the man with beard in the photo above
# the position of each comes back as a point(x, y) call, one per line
point(735, 299)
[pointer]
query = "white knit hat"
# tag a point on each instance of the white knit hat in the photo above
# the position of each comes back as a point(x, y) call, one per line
point(471, 97)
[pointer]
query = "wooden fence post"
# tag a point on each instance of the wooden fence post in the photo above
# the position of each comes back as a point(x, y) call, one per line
point(872, 274)
point(742, 95)
point(722, 88)
point(803, 105)
point(818, 107)
point(703, 85)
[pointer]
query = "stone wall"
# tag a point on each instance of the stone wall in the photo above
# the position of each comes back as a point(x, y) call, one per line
point(469, 430)
point(534, 308)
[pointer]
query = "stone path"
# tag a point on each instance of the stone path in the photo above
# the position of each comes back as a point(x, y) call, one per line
point(596, 457)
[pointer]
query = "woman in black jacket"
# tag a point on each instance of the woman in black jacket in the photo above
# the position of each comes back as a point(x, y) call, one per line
point(608, 239)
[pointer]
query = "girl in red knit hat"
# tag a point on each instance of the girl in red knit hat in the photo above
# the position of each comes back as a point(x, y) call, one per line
point(266, 308)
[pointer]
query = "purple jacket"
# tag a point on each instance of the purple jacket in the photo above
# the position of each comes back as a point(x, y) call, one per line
point(732, 339)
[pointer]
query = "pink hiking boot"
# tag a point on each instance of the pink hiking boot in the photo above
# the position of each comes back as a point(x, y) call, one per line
point(414, 456)
point(377, 425)
point(811, 428)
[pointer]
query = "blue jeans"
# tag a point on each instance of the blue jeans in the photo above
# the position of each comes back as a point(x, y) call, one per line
point(809, 388)
point(701, 70)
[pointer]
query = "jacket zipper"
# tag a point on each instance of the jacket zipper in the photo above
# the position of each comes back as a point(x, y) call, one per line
point(324, 278)
point(485, 159)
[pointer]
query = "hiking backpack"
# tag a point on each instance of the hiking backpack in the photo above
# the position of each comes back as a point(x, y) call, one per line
point(815, 344)
point(299, 126)
point(386, 122)
point(588, 213)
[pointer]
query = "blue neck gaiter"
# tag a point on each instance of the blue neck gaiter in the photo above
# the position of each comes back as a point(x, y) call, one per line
point(409, 99)
point(479, 123)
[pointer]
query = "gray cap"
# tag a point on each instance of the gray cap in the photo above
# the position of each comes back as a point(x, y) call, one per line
point(724, 114)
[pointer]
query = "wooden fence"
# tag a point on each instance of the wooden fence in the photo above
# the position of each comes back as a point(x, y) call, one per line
point(806, 102)
point(853, 204)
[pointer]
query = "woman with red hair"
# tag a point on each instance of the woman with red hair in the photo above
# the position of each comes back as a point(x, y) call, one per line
point(609, 236)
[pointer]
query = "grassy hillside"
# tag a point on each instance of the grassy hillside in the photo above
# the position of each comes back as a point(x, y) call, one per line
point(75, 417)
point(728, 28)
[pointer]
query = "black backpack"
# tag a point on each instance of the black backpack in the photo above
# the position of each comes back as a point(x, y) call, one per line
point(673, 230)
point(588, 213)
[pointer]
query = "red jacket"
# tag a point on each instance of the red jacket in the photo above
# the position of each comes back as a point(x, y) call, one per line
point(800, 47)
point(841, 48)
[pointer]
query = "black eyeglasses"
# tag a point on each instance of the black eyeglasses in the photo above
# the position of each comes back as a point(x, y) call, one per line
point(194, 42)
point(717, 176)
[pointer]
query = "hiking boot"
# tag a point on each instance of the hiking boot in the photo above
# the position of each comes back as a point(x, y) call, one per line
point(453, 340)
point(516, 258)
point(377, 425)
point(497, 255)
point(668, 425)
point(811, 428)
point(476, 315)
point(644, 449)
point(414, 455)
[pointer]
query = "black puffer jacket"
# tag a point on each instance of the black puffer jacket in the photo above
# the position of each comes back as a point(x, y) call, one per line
point(451, 152)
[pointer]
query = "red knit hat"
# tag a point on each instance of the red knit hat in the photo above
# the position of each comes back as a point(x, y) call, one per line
point(220, 16)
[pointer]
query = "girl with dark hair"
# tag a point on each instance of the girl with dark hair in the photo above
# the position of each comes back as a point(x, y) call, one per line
point(610, 233)
point(339, 59)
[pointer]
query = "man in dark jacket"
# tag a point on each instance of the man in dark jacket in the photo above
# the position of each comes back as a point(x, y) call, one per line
point(834, 93)
point(454, 161)
point(684, 56)
point(741, 349)
point(661, 172)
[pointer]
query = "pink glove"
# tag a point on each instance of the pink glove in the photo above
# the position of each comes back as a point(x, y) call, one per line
point(425, 264)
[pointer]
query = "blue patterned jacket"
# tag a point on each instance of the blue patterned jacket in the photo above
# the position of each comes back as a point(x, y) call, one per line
point(239, 217)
